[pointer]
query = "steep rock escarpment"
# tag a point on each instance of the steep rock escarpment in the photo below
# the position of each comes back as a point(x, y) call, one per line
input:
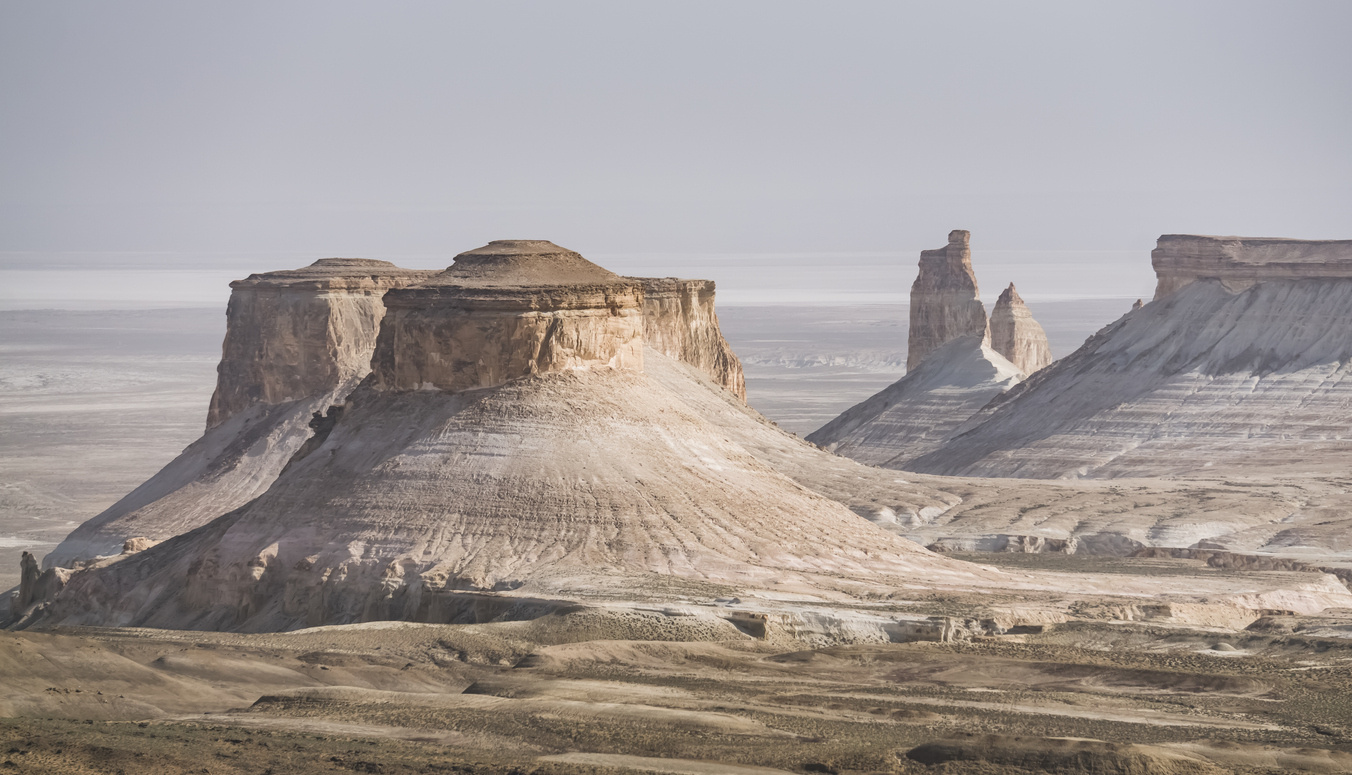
point(297, 342)
point(299, 334)
point(1245, 366)
point(945, 302)
point(549, 463)
point(511, 309)
point(1016, 335)
point(680, 322)
point(1240, 262)
point(921, 411)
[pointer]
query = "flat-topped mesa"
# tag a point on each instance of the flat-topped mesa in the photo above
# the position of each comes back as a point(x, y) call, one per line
point(680, 322)
point(301, 333)
point(1240, 262)
point(510, 309)
point(945, 303)
point(1016, 335)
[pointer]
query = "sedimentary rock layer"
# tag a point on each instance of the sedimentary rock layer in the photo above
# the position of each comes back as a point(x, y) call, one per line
point(680, 322)
point(1016, 335)
point(945, 303)
point(297, 334)
point(296, 342)
point(511, 309)
point(562, 481)
point(1205, 377)
point(1240, 262)
point(924, 409)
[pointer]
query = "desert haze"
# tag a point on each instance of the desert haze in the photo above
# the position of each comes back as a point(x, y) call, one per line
point(700, 388)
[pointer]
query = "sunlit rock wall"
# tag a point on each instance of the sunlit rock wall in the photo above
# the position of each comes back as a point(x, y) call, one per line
point(1240, 262)
point(680, 321)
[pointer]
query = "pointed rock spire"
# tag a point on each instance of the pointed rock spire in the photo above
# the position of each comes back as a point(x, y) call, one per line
point(1016, 335)
point(944, 300)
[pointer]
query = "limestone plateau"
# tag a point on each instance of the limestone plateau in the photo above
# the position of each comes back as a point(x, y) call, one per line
point(1240, 362)
point(508, 439)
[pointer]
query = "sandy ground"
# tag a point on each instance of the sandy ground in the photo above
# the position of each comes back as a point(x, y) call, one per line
point(548, 696)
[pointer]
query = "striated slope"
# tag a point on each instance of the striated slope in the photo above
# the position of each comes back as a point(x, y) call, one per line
point(555, 483)
point(296, 343)
point(945, 302)
point(507, 439)
point(1016, 335)
point(1203, 377)
point(921, 411)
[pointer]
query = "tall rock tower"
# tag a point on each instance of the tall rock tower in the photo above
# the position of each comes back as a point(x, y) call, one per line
point(1016, 335)
point(944, 300)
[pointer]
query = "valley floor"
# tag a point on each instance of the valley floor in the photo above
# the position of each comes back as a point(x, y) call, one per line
point(590, 690)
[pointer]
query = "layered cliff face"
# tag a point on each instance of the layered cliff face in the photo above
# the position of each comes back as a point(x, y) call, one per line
point(945, 302)
point(508, 441)
point(511, 309)
point(1247, 368)
point(1240, 262)
point(297, 342)
point(298, 334)
point(680, 322)
point(1016, 335)
point(920, 412)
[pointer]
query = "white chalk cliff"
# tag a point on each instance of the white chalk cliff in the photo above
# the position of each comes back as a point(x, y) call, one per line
point(920, 412)
point(296, 343)
point(1243, 361)
point(508, 440)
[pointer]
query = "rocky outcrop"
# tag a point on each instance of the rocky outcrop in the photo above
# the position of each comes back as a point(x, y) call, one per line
point(921, 411)
point(1246, 371)
point(296, 342)
point(1240, 262)
point(508, 442)
point(511, 309)
point(29, 573)
point(298, 334)
point(945, 303)
point(679, 321)
point(1016, 335)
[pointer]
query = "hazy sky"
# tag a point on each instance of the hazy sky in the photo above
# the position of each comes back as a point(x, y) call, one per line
point(382, 128)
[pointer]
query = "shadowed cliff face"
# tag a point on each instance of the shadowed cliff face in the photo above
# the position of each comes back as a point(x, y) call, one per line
point(945, 303)
point(299, 334)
